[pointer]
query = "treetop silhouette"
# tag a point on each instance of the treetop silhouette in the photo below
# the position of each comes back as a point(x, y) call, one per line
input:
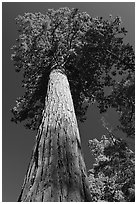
point(90, 51)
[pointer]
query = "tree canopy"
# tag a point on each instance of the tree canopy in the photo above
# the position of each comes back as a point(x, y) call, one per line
point(90, 51)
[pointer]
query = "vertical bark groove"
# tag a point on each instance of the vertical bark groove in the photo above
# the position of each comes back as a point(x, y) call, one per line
point(57, 171)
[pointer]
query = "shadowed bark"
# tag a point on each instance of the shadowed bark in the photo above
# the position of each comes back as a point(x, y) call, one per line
point(57, 171)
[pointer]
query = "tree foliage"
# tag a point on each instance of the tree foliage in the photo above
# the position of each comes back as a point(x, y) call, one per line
point(110, 63)
point(123, 99)
point(112, 178)
point(89, 50)
point(45, 42)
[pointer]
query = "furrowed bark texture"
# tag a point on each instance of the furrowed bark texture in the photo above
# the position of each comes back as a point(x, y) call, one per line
point(57, 171)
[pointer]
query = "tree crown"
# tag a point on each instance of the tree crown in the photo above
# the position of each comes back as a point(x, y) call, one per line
point(89, 50)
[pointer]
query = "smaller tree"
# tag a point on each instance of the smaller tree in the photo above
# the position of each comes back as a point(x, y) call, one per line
point(112, 178)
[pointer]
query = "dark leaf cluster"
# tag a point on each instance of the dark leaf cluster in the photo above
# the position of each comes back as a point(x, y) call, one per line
point(123, 99)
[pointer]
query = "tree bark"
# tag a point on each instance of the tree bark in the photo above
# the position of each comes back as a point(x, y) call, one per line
point(57, 170)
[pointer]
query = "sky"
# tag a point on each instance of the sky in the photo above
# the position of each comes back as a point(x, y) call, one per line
point(17, 142)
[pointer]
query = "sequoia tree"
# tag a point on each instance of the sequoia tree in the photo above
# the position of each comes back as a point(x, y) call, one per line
point(57, 52)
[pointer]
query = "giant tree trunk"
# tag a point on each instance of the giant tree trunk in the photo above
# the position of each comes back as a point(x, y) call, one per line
point(57, 170)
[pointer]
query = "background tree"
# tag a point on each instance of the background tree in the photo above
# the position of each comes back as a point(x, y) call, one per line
point(112, 178)
point(52, 48)
point(113, 175)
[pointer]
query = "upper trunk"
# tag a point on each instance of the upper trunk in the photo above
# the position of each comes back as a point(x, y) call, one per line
point(57, 170)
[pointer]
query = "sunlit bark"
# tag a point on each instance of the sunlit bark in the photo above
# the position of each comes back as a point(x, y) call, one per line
point(57, 170)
